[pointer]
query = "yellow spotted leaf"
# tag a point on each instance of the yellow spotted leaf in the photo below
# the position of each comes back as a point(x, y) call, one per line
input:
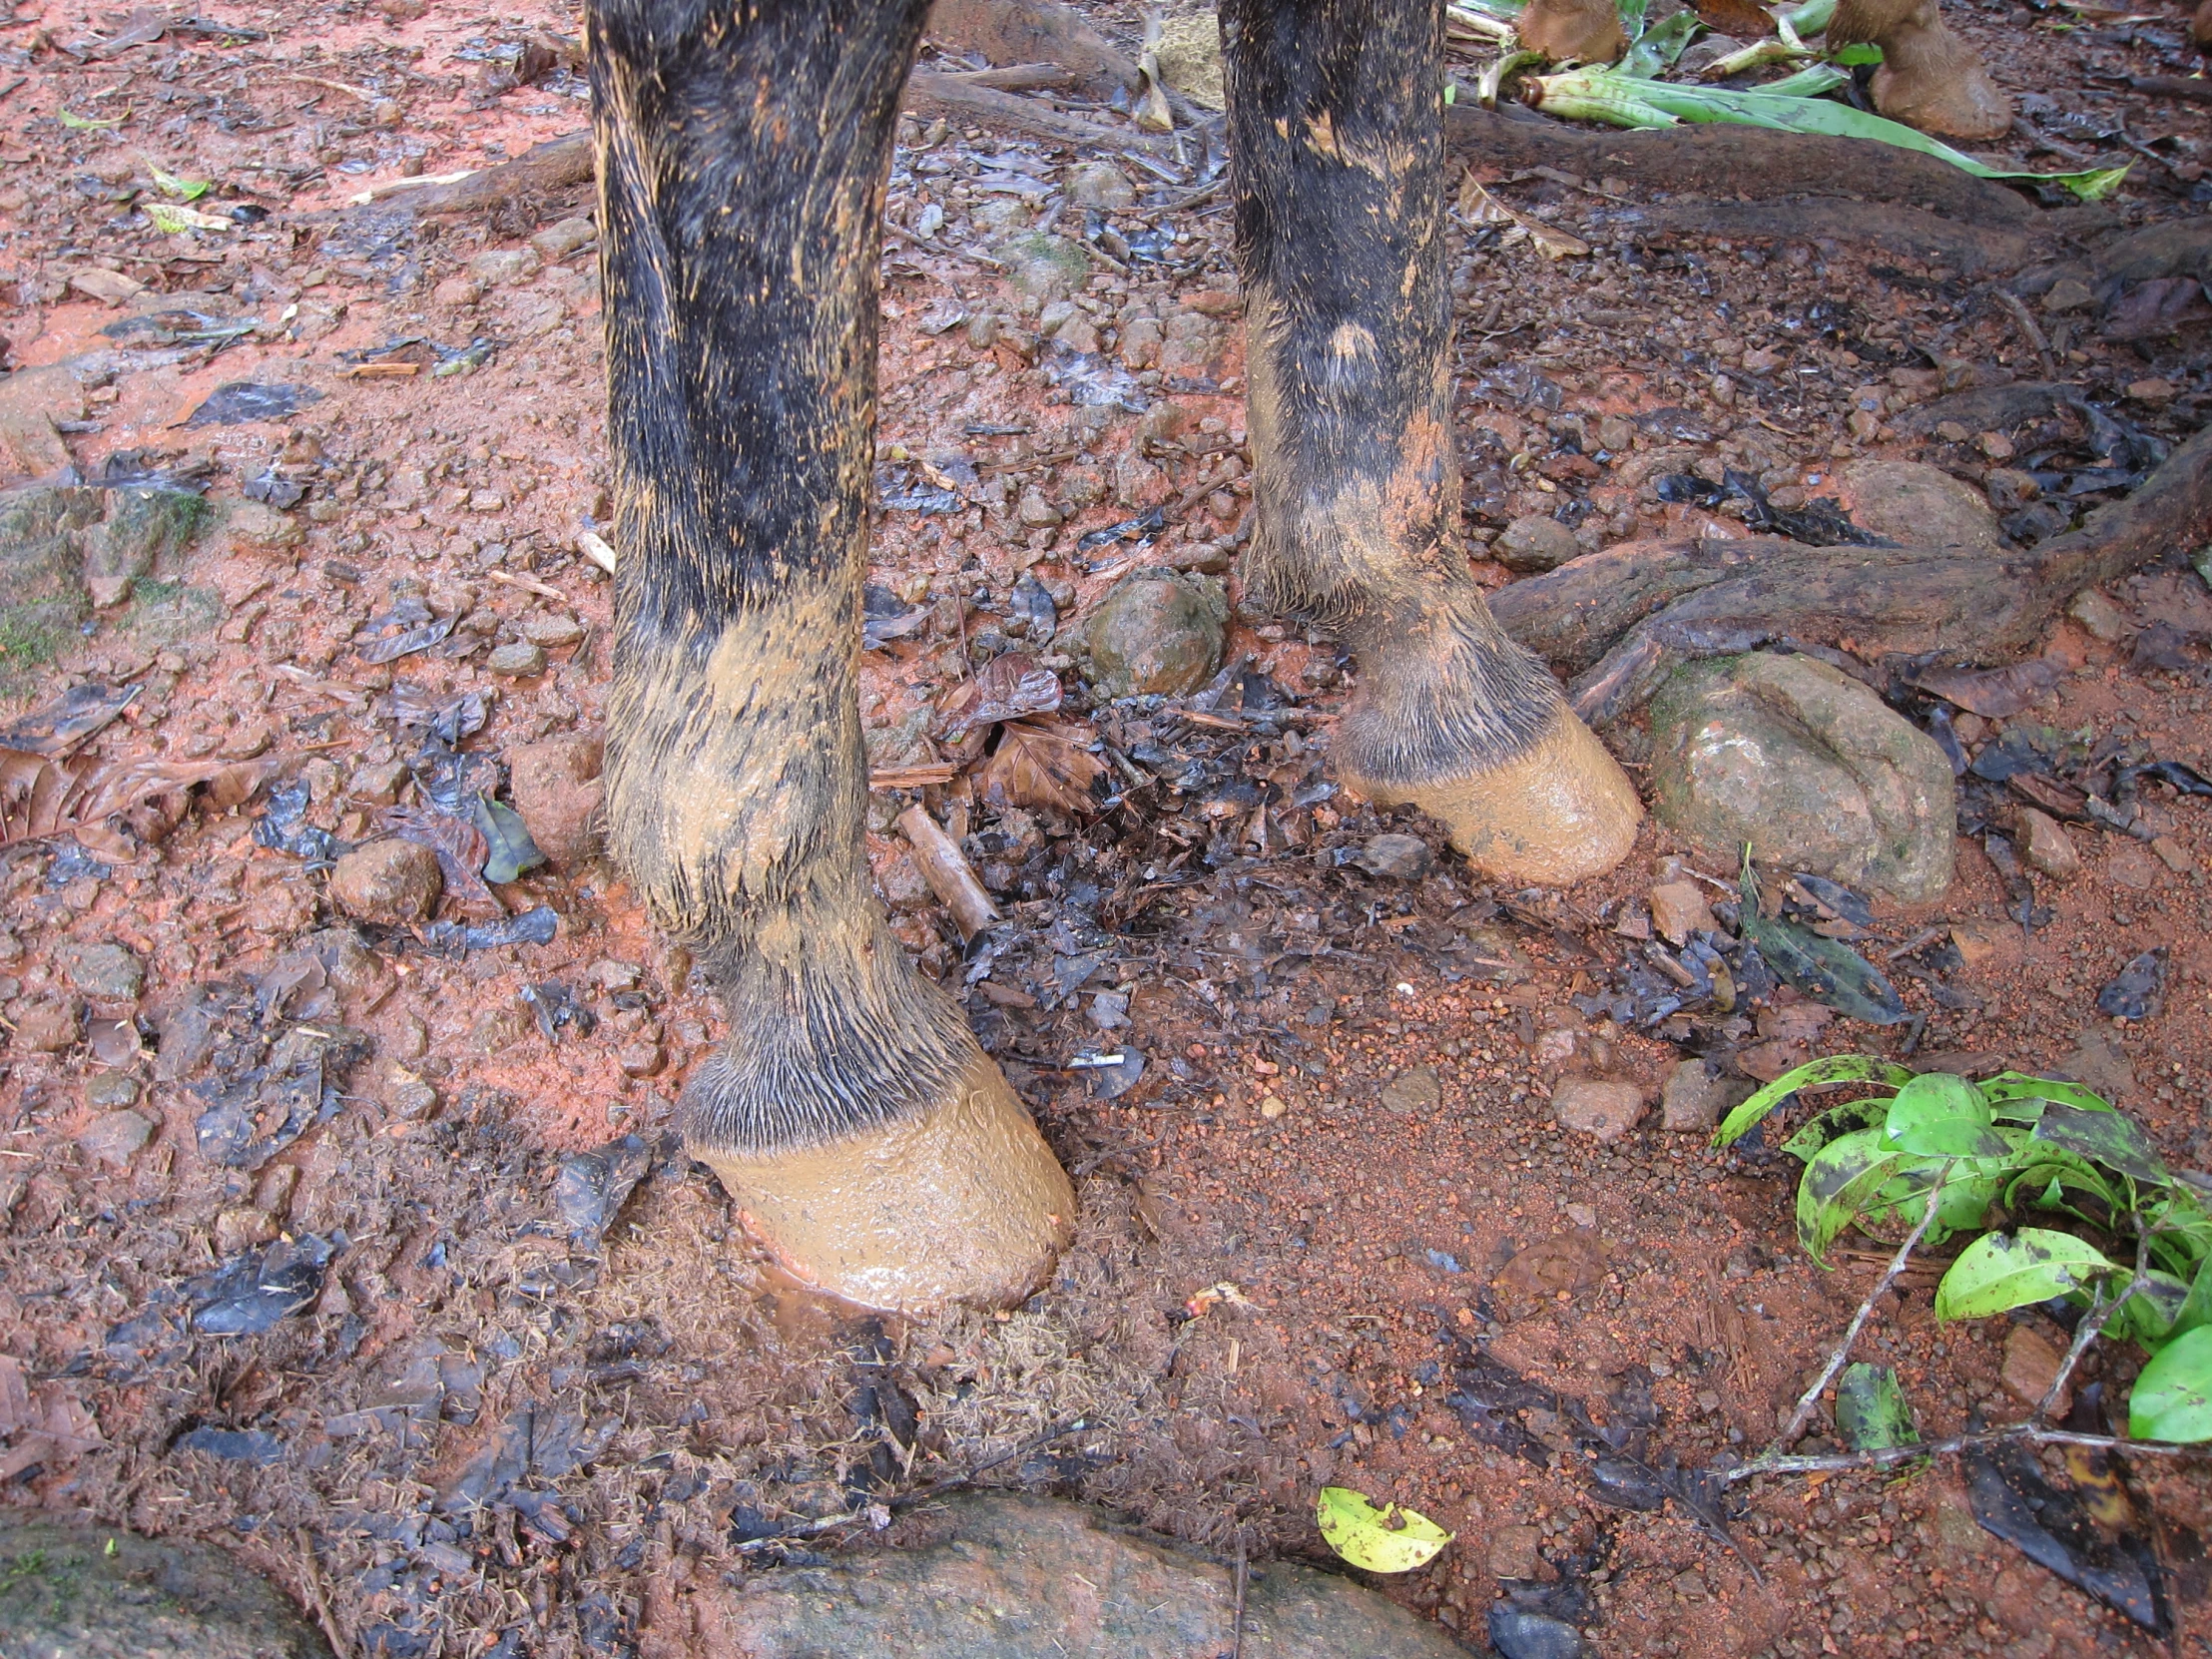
point(1367, 1536)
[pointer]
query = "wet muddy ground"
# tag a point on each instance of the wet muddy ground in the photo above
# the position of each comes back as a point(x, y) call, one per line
point(361, 1245)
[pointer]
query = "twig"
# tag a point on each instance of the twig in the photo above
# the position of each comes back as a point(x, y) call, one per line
point(2011, 302)
point(1806, 1407)
point(1235, 1640)
point(321, 1601)
point(1884, 1456)
point(2092, 1326)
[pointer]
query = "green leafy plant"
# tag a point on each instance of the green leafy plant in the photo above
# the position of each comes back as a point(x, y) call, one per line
point(1938, 1156)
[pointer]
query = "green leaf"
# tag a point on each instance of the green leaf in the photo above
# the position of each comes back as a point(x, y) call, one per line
point(186, 189)
point(1997, 1272)
point(511, 849)
point(1363, 1535)
point(87, 124)
point(1837, 1068)
point(1964, 1207)
point(1837, 1185)
point(1607, 95)
point(2173, 1398)
point(2195, 1312)
point(2148, 1316)
point(1871, 1413)
point(2105, 1138)
point(1942, 1116)
point(2057, 1171)
point(173, 221)
point(1858, 52)
point(1657, 48)
point(1836, 1121)
point(1827, 970)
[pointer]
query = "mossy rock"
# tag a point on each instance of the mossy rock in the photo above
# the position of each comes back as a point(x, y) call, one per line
point(1158, 632)
point(1044, 267)
point(143, 527)
point(73, 1592)
point(42, 593)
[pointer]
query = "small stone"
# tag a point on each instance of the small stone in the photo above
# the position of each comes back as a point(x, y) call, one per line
point(641, 1059)
point(2048, 849)
point(1273, 1107)
point(2010, 489)
point(562, 238)
point(114, 1138)
point(1514, 1552)
point(1101, 185)
point(1582, 1215)
point(256, 527)
point(1995, 445)
point(1035, 511)
point(486, 502)
point(498, 266)
point(1413, 1090)
point(1402, 858)
point(378, 784)
point(1158, 630)
point(551, 629)
point(2152, 391)
point(557, 789)
point(1975, 942)
point(1678, 909)
point(242, 1226)
point(407, 1095)
point(2069, 294)
point(2097, 613)
point(2175, 856)
point(1534, 543)
point(1592, 1106)
point(49, 1025)
point(1916, 506)
point(104, 972)
point(457, 294)
point(1044, 267)
point(393, 882)
point(1697, 1096)
point(2130, 866)
point(517, 659)
point(112, 1088)
point(2031, 1366)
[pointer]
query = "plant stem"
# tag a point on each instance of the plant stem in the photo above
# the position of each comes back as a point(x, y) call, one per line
point(1882, 1456)
point(2092, 1326)
point(1812, 1398)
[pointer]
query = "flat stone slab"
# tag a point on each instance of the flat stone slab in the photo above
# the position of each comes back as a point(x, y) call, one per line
point(1019, 1577)
point(73, 1592)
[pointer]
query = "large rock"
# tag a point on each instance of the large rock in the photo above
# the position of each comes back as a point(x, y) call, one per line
point(1017, 1577)
point(31, 401)
point(143, 527)
point(1810, 767)
point(1918, 506)
point(72, 1592)
point(1158, 630)
point(1044, 267)
point(42, 593)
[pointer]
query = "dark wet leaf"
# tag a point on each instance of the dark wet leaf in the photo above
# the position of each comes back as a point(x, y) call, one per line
point(2139, 991)
point(1033, 605)
point(1994, 693)
point(387, 647)
point(461, 851)
point(1519, 1635)
point(1152, 522)
point(241, 402)
point(1006, 688)
point(251, 1292)
point(509, 850)
point(592, 1186)
point(1836, 898)
point(1871, 1413)
point(283, 827)
point(535, 926)
point(2104, 1138)
point(922, 500)
point(879, 631)
point(2049, 795)
point(2175, 775)
point(555, 1008)
point(56, 728)
point(1112, 1081)
point(1627, 1484)
point(448, 720)
point(2012, 1500)
point(450, 778)
point(273, 487)
point(2163, 646)
point(234, 1445)
point(1827, 970)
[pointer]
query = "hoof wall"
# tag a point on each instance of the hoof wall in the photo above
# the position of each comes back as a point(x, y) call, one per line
point(1560, 814)
point(962, 1203)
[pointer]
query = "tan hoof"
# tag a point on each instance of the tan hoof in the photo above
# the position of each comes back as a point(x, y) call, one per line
point(1588, 31)
point(963, 1202)
point(1959, 100)
point(1560, 814)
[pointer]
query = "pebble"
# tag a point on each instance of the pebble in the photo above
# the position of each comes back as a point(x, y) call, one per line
point(2175, 856)
point(1513, 1553)
point(1402, 857)
point(1595, 1107)
point(1534, 543)
point(562, 238)
point(1100, 184)
point(1678, 909)
point(387, 881)
point(497, 265)
point(114, 1138)
point(517, 659)
point(2031, 1363)
point(2132, 867)
point(1696, 1096)
point(1416, 1089)
point(557, 789)
point(104, 972)
point(551, 629)
point(641, 1059)
point(49, 1025)
point(2048, 849)
point(256, 528)
point(2097, 613)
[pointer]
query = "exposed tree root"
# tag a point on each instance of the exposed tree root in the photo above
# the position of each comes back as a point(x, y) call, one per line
point(1615, 623)
point(1030, 32)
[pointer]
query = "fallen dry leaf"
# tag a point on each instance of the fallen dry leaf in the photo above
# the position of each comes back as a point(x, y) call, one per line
point(1042, 766)
point(1992, 692)
point(1009, 687)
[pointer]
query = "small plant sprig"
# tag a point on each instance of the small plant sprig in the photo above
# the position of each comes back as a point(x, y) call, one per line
point(1939, 1156)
